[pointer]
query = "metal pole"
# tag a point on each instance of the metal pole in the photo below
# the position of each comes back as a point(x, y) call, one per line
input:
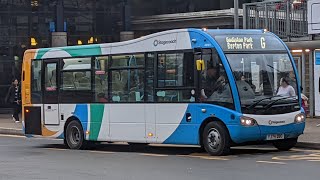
point(288, 20)
point(311, 85)
point(59, 16)
point(303, 72)
point(299, 68)
point(266, 23)
point(245, 16)
point(236, 14)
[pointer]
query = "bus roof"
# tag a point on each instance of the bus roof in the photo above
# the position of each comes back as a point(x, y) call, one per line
point(179, 39)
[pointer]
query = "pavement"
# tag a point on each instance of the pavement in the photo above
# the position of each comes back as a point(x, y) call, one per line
point(310, 138)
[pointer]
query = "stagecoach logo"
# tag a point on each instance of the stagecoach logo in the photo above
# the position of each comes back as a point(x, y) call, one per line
point(276, 122)
point(159, 42)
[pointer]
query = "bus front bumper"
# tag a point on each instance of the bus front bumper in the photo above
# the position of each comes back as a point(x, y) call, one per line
point(242, 134)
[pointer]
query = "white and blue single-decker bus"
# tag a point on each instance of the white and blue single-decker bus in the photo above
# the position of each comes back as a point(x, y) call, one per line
point(212, 88)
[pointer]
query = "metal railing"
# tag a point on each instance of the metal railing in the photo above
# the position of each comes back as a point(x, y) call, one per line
point(286, 18)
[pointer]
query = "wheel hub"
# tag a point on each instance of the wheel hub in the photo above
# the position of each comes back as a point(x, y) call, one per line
point(214, 138)
point(75, 135)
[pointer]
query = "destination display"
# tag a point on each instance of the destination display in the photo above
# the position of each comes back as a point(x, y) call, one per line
point(249, 42)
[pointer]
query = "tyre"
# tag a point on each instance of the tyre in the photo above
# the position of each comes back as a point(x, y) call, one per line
point(216, 139)
point(74, 138)
point(286, 144)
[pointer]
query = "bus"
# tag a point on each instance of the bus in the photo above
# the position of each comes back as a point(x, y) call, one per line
point(212, 88)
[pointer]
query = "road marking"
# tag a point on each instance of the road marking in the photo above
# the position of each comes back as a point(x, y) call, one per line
point(314, 160)
point(15, 136)
point(271, 162)
point(56, 149)
point(315, 156)
point(102, 152)
point(214, 158)
point(305, 150)
point(205, 157)
point(156, 155)
point(255, 148)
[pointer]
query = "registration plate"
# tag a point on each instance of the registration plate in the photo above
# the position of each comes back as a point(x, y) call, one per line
point(275, 136)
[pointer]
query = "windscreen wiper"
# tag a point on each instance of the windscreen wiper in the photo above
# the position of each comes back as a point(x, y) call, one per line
point(260, 100)
point(268, 106)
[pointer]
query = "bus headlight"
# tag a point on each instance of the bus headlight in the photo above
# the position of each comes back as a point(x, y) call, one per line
point(300, 118)
point(247, 121)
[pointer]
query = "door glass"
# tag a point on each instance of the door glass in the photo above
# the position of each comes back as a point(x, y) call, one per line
point(51, 77)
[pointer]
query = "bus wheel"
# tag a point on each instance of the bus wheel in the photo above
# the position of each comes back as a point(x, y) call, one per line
point(74, 136)
point(216, 139)
point(286, 144)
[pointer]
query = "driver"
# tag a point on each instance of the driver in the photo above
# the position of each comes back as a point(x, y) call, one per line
point(211, 81)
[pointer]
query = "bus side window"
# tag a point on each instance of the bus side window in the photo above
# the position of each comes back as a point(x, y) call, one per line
point(101, 79)
point(127, 78)
point(36, 82)
point(176, 72)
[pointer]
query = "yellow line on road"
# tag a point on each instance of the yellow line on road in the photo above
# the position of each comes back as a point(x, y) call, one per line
point(271, 162)
point(205, 157)
point(156, 155)
point(214, 158)
point(305, 150)
point(15, 136)
point(56, 149)
point(102, 152)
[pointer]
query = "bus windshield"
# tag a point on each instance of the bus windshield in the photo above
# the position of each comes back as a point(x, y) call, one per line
point(258, 79)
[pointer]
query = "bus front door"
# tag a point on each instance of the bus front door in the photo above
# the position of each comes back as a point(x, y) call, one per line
point(50, 95)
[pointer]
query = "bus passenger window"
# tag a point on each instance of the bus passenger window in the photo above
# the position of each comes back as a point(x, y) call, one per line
point(101, 79)
point(36, 82)
point(175, 71)
point(127, 79)
point(76, 80)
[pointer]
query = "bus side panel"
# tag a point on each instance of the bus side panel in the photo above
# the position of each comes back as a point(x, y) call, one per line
point(99, 122)
point(127, 122)
point(150, 117)
point(172, 126)
point(178, 130)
